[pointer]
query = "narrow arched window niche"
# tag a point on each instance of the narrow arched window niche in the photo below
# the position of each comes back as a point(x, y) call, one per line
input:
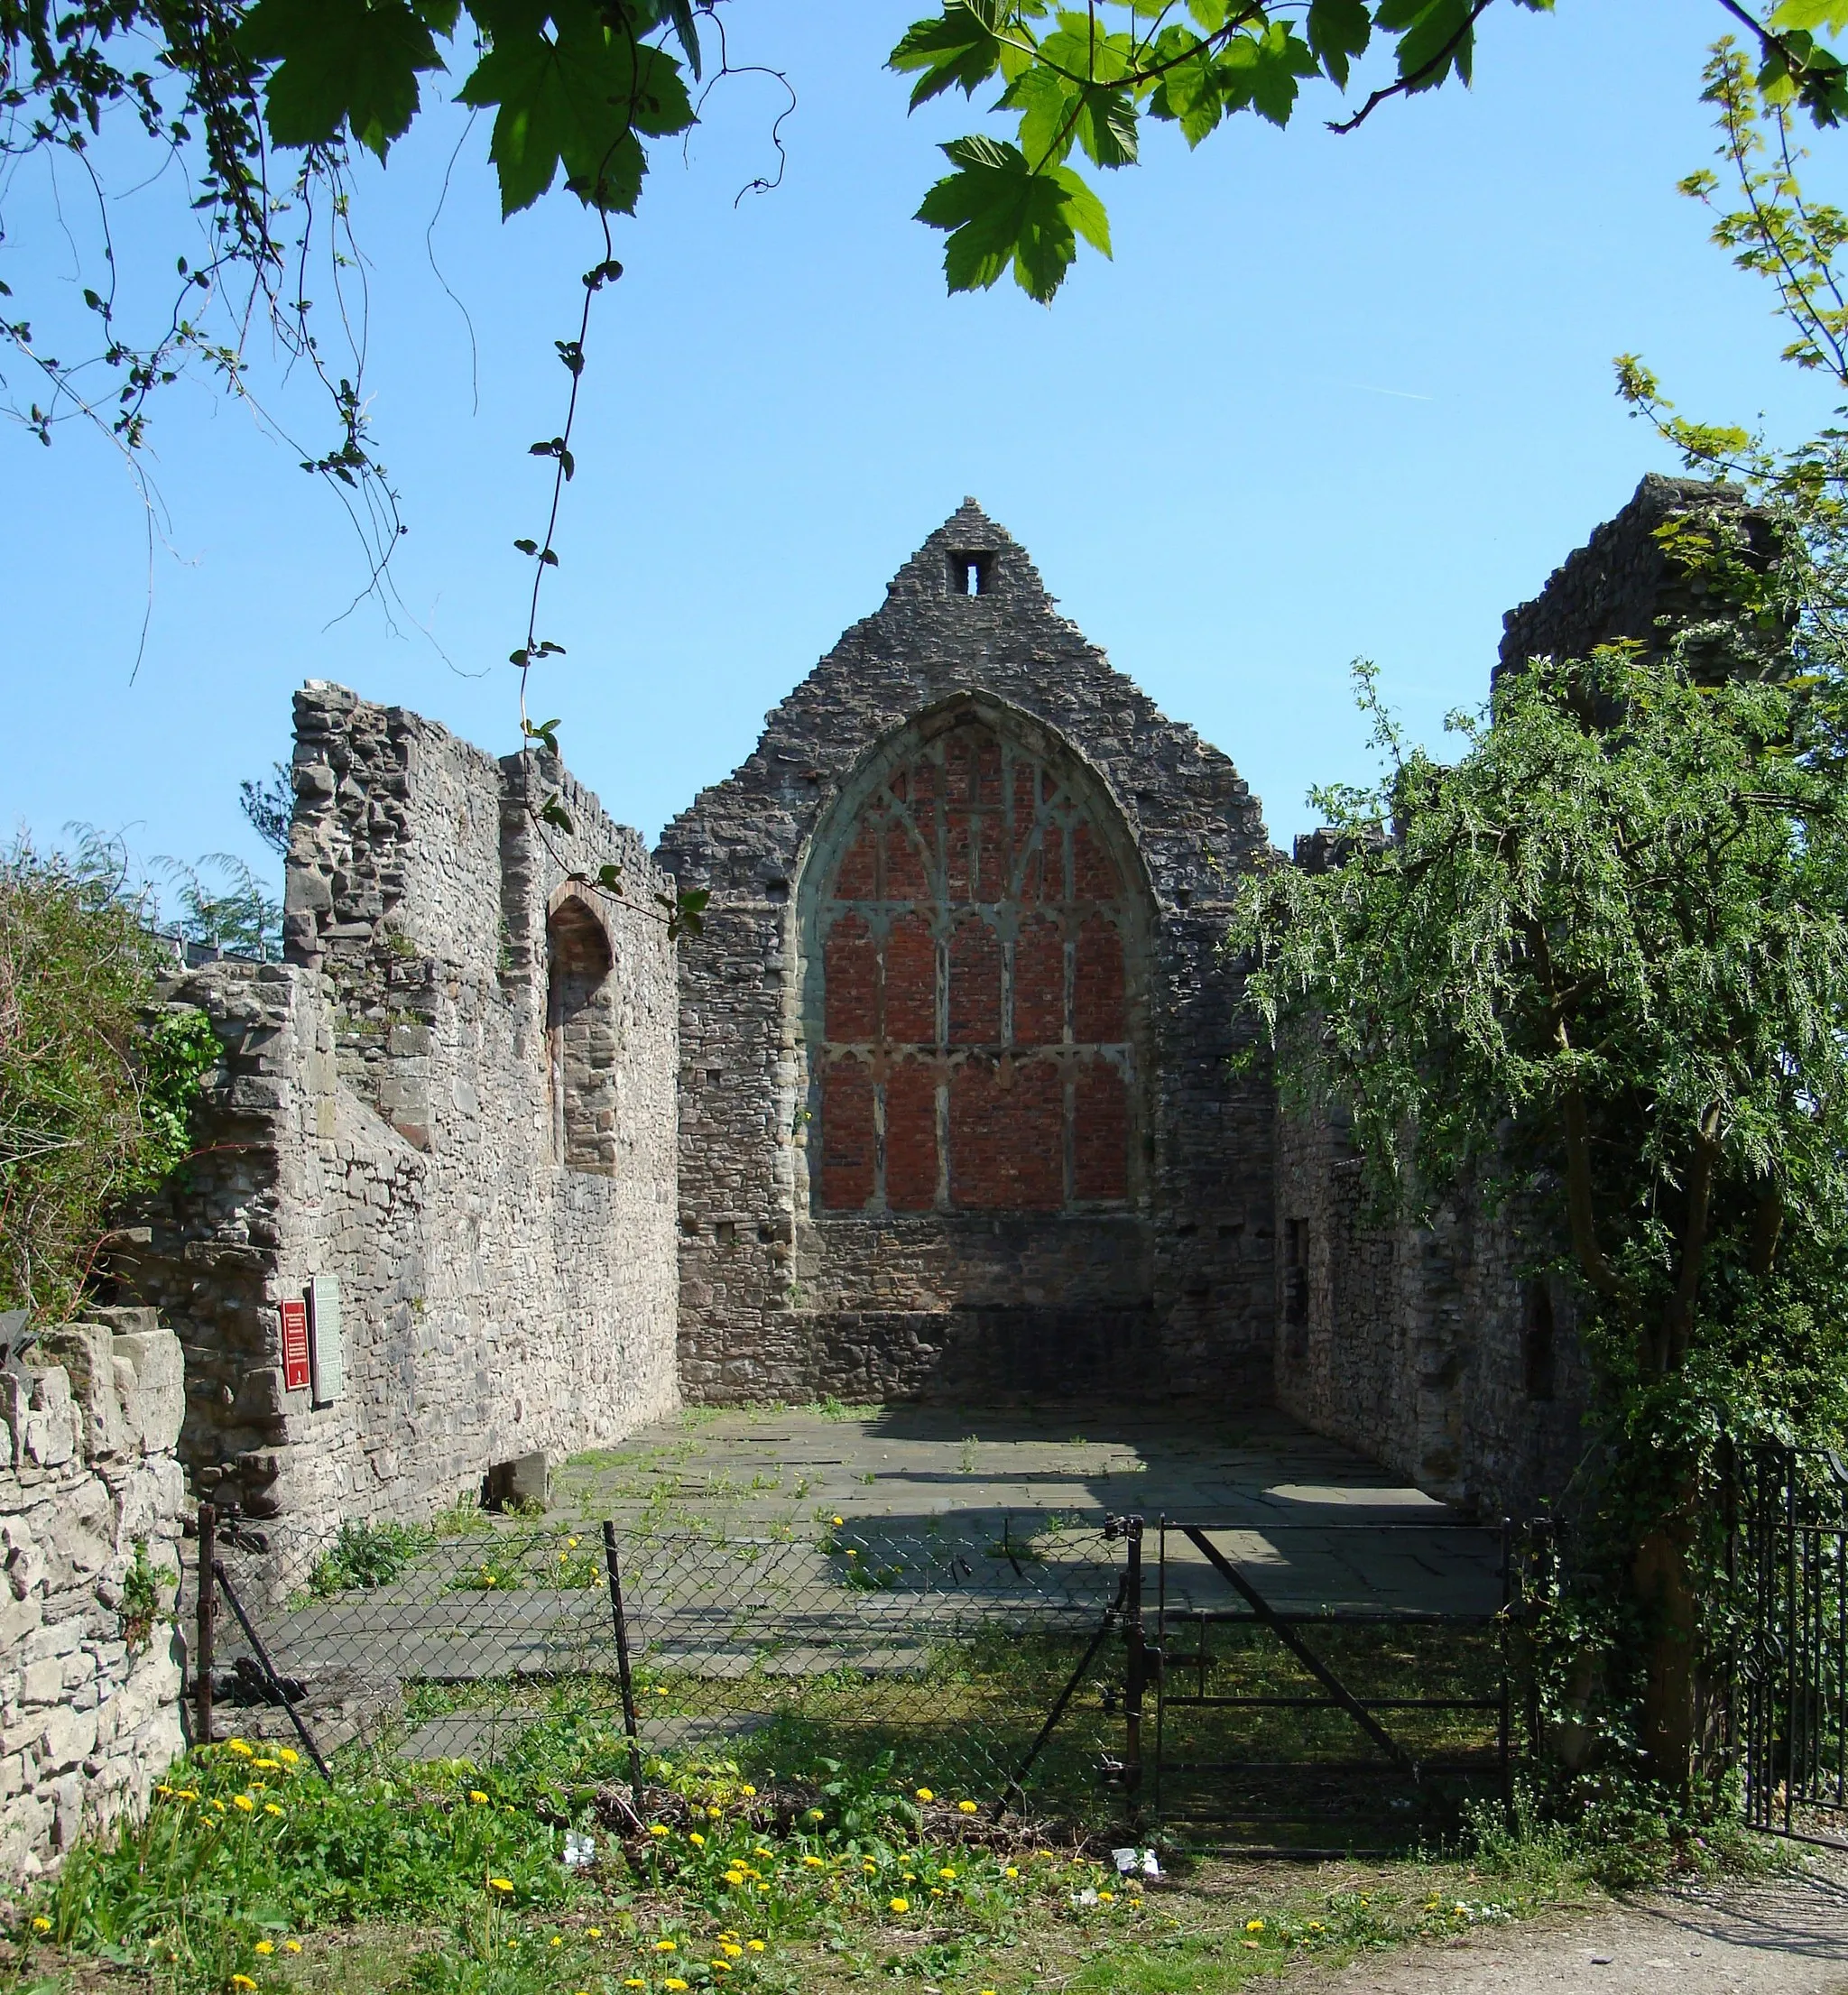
point(580, 1036)
point(975, 922)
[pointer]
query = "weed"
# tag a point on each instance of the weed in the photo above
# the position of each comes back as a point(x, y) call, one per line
point(365, 1554)
point(147, 1594)
point(462, 1518)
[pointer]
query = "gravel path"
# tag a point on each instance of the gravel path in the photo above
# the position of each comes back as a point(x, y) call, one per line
point(1787, 1936)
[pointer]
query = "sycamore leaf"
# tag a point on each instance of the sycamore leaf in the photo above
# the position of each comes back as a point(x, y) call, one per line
point(1001, 214)
point(1338, 31)
point(1829, 16)
point(1435, 38)
point(1261, 70)
point(1191, 94)
point(957, 49)
point(577, 98)
point(341, 62)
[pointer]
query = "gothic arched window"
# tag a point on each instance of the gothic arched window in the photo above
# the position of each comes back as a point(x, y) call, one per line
point(974, 933)
point(580, 1038)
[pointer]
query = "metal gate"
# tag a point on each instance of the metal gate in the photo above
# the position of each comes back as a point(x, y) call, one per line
point(1313, 1673)
point(1792, 1667)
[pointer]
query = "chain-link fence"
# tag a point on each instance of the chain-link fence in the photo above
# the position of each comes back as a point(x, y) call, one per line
point(503, 1641)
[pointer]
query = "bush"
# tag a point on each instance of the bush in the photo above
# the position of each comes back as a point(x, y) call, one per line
point(95, 1098)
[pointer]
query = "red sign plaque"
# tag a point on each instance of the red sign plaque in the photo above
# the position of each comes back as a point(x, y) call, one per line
point(294, 1346)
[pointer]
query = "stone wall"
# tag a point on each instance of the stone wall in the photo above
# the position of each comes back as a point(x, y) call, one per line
point(457, 1098)
point(1429, 1348)
point(1624, 585)
point(90, 1712)
point(956, 1119)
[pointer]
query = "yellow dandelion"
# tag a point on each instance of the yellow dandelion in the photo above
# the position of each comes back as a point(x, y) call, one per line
point(813, 1862)
point(872, 1870)
point(660, 1690)
point(924, 1793)
point(697, 1840)
point(657, 1828)
point(240, 1749)
point(1255, 1926)
point(754, 1947)
point(747, 1788)
point(478, 1796)
point(41, 1926)
point(899, 1905)
point(837, 1521)
point(557, 1939)
point(731, 1950)
point(244, 1803)
point(186, 1794)
point(1011, 1871)
point(633, 1981)
point(674, 1982)
point(760, 1850)
point(487, 1578)
point(723, 1967)
point(597, 1932)
point(945, 1873)
point(1315, 1926)
point(966, 1807)
point(937, 1890)
point(814, 1815)
point(265, 1946)
point(572, 1542)
point(1106, 1897)
point(270, 1807)
point(852, 1552)
point(288, 1756)
point(270, 1766)
point(242, 1981)
point(501, 1883)
point(666, 1946)
point(292, 1946)
point(734, 1877)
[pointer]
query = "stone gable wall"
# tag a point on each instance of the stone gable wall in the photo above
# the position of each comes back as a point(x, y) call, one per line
point(87, 1720)
point(386, 1114)
point(780, 1298)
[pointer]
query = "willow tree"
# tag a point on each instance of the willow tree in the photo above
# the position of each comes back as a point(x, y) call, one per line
point(1601, 958)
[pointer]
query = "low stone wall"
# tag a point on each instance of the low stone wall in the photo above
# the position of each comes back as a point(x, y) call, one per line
point(90, 1495)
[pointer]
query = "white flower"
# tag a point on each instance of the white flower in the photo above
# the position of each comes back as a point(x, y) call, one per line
point(580, 1850)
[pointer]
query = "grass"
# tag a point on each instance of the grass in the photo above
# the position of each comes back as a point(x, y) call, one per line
point(447, 1881)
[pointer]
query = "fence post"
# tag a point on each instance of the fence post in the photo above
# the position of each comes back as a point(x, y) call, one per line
point(1134, 1673)
point(621, 1622)
point(1505, 1716)
point(206, 1602)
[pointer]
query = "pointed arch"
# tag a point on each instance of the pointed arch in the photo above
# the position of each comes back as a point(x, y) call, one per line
point(580, 1035)
point(973, 918)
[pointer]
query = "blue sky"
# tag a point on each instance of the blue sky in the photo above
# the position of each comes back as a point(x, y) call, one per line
point(1333, 397)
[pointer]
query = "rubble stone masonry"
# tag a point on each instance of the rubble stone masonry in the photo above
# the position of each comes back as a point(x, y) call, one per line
point(456, 1099)
point(90, 1492)
point(956, 1117)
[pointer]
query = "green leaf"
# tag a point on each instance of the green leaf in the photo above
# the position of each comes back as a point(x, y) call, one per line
point(1001, 214)
point(1261, 72)
point(578, 100)
point(956, 50)
point(1829, 15)
point(339, 62)
point(1338, 31)
point(1436, 38)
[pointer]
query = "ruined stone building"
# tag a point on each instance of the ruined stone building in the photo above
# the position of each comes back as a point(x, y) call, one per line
point(938, 1105)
